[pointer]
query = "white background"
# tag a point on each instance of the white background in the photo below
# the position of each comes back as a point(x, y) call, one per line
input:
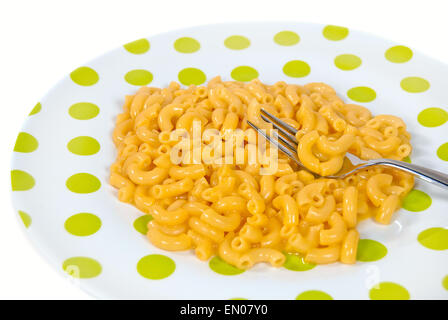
point(41, 41)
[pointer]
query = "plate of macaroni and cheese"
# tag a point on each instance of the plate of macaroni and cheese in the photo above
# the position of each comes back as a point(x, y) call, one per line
point(140, 167)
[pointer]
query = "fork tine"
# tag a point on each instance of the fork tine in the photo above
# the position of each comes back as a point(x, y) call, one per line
point(282, 148)
point(282, 130)
point(353, 159)
point(288, 143)
point(281, 123)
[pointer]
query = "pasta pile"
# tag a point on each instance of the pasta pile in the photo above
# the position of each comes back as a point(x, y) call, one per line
point(233, 211)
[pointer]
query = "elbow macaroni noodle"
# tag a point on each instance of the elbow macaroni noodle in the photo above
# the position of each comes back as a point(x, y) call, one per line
point(217, 201)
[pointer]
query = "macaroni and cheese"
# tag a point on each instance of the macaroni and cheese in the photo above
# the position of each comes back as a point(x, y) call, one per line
point(231, 208)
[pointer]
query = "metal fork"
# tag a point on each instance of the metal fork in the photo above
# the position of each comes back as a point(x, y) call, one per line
point(287, 143)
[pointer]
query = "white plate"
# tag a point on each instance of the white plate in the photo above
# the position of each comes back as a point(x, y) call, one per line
point(412, 266)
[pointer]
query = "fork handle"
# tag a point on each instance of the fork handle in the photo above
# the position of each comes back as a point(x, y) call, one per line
point(432, 176)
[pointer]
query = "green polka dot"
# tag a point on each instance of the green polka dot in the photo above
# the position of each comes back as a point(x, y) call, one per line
point(237, 42)
point(297, 263)
point(21, 180)
point(442, 152)
point(36, 109)
point(25, 143)
point(335, 33)
point(361, 94)
point(398, 54)
point(244, 73)
point(141, 223)
point(432, 117)
point(220, 266)
point(82, 224)
point(370, 250)
point(347, 62)
point(187, 45)
point(389, 291)
point(434, 238)
point(414, 84)
point(84, 76)
point(296, 69)
point(83, 110)
point(138, 77)
point(82, 267)
point(137, 47)
point(445, 282)
point(83, 146)
point(189, 76)
point(155, 266)
point(407, 159)
point(314, 295)
point(416, 201)
point(83, 183)
point(26, 219)
point(286, 38)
